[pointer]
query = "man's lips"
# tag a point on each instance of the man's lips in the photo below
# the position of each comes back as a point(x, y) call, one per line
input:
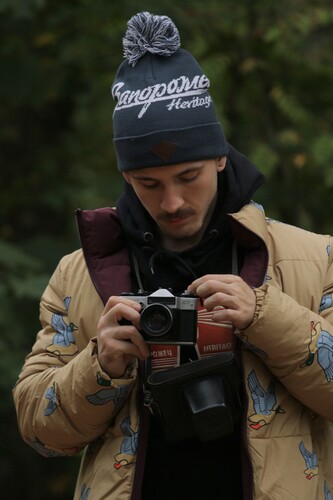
point(176, 222)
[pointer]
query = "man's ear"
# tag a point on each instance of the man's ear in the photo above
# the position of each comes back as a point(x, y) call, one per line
point(221, 162)
point(127, 177)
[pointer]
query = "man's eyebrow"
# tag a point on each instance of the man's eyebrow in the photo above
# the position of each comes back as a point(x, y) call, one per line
point(139, 177)
point(195, 168)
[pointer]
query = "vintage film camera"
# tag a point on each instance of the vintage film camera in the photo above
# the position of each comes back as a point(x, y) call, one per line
point(167, 318)
point(199, 399)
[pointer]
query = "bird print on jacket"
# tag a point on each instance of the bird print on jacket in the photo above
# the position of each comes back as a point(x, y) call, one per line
point(311, 461)
point(53, 399)
point(321, 343)
point(327, 492)
point(264, 402)
point(84, 492)
point(326, 302)
point(129, 445)
point(108, 393)
point(63, 342)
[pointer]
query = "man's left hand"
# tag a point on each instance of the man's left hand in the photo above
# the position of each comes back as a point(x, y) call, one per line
point(228, 296)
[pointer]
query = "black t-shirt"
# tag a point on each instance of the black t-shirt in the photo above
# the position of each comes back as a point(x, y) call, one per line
point(191, 469)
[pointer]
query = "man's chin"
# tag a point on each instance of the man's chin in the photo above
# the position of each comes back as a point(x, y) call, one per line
point(179, 232)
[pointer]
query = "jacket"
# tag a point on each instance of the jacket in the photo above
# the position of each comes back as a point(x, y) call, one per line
point(66, 403)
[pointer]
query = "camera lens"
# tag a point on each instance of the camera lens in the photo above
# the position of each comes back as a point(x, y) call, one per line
point(156, 320)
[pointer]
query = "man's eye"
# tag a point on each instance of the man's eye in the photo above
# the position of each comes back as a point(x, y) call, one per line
point(190, 178)
point(149, 185)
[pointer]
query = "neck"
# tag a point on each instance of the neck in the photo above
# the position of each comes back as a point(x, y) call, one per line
point(182, 244)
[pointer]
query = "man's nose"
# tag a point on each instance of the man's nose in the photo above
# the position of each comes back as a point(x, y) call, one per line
point(172, 200)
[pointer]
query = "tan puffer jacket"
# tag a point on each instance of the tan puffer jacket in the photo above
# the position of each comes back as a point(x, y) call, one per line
point(65, 402)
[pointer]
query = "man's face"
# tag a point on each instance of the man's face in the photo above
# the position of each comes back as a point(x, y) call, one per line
point(180, 198)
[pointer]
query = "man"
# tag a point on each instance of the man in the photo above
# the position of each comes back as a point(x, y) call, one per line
point(184, 226)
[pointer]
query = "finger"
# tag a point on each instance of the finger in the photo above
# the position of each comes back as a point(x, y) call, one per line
point(239, 309)
point(211, 287)
point(221, 278)
point(133, 340)
point(222, 315)
point(110, 329)
point(114, 355)
point(122, 340)
point(115, 300)
point(221, 299)
point(239, 319)
point(129, 311)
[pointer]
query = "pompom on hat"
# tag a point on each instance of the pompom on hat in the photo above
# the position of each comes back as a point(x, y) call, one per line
point(164, 113)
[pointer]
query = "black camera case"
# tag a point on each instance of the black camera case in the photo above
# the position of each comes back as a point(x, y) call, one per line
point(201, 398)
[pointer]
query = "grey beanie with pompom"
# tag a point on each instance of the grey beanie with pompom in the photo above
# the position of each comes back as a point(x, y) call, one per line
point(164, 113)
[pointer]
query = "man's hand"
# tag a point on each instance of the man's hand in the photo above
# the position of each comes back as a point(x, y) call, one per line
point(118, 344)
point(229, 292)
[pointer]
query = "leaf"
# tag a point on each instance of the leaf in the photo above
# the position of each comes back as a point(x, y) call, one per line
point(265, 157)
point(12, 257)
point(30, 287)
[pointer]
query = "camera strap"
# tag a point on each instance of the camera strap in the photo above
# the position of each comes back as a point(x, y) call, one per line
point(136, 270)
point(234, 264)
point(148, 399)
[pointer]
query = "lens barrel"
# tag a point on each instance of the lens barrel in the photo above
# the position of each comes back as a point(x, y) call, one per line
point(156, 320)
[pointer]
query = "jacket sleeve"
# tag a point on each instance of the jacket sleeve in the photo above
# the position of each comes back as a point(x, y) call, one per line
point(63, 398)
point(296, 342)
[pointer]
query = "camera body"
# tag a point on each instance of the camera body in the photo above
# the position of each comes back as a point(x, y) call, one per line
point(167, 318)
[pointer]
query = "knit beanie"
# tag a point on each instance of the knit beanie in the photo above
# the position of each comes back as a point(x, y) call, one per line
point(164, 113)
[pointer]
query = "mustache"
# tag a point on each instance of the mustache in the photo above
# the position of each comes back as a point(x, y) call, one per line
point(186, 212)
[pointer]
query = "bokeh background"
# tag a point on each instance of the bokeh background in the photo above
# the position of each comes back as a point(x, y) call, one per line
point(271, 69)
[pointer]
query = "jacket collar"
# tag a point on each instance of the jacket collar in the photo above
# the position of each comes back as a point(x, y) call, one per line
point(249, 229)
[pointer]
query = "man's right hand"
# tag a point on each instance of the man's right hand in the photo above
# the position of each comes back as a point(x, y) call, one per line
point(118, 344)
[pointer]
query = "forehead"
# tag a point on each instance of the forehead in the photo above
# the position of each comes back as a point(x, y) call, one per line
point(167, 171)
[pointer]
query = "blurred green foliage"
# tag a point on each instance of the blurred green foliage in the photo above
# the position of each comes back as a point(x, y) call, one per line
point(271, 70)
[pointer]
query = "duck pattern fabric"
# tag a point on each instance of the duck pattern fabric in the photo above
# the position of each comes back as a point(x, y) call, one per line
point(287, 358)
